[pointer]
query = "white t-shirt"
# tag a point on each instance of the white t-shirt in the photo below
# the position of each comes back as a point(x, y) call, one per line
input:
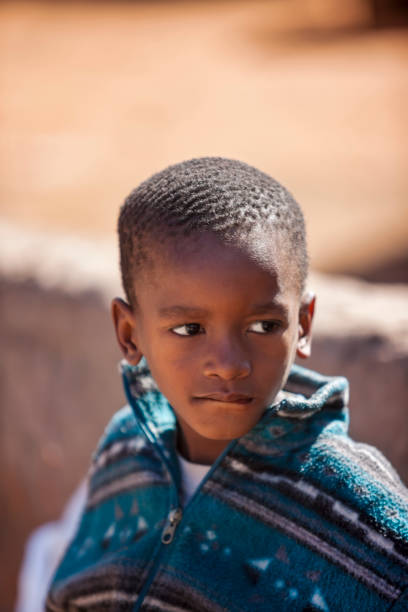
point(191, 476)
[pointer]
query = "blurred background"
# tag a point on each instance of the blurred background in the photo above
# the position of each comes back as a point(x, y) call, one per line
point(95, 97)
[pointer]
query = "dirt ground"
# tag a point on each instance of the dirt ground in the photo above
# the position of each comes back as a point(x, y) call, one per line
point(96, 96)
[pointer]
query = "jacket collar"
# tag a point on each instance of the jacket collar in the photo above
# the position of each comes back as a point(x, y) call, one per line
point(305, 395)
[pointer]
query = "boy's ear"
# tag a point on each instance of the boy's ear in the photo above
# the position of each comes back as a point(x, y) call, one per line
point(125, 328)
point(306, 312)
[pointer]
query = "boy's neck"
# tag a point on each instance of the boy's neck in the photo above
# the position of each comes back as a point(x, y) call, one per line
point(197, 449)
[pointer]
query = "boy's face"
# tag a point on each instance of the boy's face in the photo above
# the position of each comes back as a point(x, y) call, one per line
point(219, 329)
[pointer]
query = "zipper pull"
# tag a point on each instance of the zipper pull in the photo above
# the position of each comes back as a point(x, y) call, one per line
point(173, 520)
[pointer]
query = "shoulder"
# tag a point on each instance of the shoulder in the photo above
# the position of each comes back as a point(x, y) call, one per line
point(356, 478)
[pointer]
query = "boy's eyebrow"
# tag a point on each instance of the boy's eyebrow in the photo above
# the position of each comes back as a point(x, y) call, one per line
point(270, 306)
point(192, 311)
point(176, 311)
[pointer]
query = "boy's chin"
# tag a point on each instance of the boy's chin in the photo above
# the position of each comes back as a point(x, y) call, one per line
point(224, 433)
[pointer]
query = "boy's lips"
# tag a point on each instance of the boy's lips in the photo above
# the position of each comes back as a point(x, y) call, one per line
point(231, 398)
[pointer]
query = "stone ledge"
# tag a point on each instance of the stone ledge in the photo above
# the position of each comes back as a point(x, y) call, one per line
point(345, 306)
point(59, 261)
point(350, 307)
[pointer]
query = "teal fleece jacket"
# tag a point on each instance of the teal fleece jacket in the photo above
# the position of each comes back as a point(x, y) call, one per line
point(293, 516)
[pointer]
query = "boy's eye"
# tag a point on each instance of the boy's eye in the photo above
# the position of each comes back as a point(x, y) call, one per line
point(263, 327)
point(189, 329)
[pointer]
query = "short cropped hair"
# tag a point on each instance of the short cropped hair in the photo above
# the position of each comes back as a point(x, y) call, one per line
point(214, 194)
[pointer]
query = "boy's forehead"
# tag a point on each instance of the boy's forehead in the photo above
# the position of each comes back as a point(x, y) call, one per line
point(259, 246)
point(263, 247)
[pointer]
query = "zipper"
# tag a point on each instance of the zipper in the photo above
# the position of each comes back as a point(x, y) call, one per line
point(174, 517)
point(175, 513)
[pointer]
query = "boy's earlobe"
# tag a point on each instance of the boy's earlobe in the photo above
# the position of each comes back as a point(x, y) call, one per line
point(125, 328)
point(304, 344)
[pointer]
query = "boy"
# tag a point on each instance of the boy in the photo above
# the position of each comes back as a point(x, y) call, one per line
point(229, 481)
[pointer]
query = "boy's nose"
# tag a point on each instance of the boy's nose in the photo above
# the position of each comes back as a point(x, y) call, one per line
point(227, 361)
